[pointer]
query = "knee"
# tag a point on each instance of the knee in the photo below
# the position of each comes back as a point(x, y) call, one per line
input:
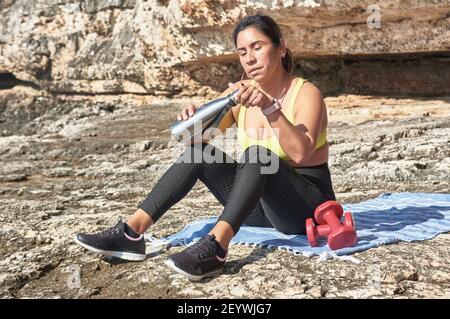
point(202, 154)
point(193, 154)
point(256, 154)
point(262, 157)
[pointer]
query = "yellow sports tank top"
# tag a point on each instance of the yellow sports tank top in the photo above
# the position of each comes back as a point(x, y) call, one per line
point(272, 142)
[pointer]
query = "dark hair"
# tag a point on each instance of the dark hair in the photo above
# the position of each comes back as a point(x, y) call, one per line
point(270, 28)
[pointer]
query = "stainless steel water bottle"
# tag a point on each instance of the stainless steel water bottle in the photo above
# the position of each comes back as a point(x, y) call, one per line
point(206, 116)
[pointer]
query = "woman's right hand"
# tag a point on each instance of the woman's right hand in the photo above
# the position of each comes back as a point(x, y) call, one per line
point(186, 113)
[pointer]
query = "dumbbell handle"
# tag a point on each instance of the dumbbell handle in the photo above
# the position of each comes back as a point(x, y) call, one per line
point(331, 219)
point(323, 230)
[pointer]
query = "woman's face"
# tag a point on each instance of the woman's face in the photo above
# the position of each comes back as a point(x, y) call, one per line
point(257, 54)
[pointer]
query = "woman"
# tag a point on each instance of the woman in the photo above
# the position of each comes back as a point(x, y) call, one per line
point(278, 114)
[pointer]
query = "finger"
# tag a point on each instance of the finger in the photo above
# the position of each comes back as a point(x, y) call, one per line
point(247, 82)
point(238, 95)
point(179, 117)
point(256, 95)
point(184, 114)
point(251, 97)
point(246, 94)
point(239, 86)
point(191, 110)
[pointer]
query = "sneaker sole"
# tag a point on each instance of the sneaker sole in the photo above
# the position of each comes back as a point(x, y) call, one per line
point(172, 266)
point(118, 254)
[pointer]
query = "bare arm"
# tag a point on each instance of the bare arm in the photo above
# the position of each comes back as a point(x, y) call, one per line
point(298, 140)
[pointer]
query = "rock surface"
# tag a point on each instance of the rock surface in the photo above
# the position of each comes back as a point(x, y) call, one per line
point(76, 164)
point(88, 90)
point(184, 47)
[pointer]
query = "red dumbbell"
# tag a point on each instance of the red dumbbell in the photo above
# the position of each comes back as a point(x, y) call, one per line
point(328, 216)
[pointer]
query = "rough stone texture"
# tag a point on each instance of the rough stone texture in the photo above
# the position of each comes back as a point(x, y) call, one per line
point(84, 137)
point(184, 47)
point(78, 163)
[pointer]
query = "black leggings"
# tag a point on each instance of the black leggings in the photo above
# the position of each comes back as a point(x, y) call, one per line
point(283, 199)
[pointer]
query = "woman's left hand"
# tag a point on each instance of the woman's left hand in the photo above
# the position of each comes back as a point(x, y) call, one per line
point(249, 96)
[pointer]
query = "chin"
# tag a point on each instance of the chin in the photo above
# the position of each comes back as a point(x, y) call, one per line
point(258, 77)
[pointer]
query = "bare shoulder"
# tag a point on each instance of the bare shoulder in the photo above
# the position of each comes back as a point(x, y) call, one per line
point(308, 100)
point(310, 91)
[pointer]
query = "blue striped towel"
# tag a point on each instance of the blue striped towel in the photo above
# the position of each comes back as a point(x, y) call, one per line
point(387, 219)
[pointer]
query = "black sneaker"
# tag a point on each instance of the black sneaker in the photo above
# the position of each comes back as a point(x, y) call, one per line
point(199, 260)
point(114, 242)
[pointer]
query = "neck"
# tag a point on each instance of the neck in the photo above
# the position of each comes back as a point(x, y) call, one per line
point(276, 82)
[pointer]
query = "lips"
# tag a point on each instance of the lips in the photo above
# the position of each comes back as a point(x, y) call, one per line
point(253, 70)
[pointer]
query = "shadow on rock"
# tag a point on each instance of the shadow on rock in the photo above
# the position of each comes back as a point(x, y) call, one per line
point(234, 266)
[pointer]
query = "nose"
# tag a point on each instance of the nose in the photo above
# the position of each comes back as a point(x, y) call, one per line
point(250, 58)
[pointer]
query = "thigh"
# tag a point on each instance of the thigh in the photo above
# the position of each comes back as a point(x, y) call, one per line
point(219, 175)
point(289, 199)
point(219, 179)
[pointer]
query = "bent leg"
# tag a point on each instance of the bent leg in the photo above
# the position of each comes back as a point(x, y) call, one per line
point(287, 198)
point(202, 161)
point(173, 185)
point(244, 204)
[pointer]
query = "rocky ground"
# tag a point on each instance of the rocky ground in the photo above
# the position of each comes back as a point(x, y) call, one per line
point(76, 164)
